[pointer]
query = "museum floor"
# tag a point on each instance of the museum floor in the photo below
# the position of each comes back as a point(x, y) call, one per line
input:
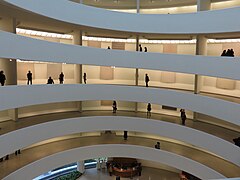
point(147, 174)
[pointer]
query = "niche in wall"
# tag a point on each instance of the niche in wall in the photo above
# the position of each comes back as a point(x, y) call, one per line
point(168, 77)
point(170, 48)
point(228, 84)
point(118, 45)
point(96, 44)
point(54, 70)
point(23, 68)
point(40, 71)
point(106, 73)
point(68, 70)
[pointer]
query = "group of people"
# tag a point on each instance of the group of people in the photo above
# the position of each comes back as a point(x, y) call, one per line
point(17, 152)
point(141, 49)
point(51, 81)
point(229, 52)
point(149, 108)
point(30, 78)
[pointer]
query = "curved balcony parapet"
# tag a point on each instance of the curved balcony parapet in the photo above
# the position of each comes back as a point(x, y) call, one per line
point(20, 138)
point(115, 150)
point(204, 22)
point(20, 96)
point(25, 48)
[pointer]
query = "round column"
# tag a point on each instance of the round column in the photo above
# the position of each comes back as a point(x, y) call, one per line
point(77, 40)
point(9, 66)
point(80, 167)
point(201, 48)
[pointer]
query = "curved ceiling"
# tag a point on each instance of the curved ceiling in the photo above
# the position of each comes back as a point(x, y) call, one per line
point(195, 23)
point(115, 150)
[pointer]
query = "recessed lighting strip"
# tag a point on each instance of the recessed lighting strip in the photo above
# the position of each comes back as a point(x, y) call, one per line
point(144, 41)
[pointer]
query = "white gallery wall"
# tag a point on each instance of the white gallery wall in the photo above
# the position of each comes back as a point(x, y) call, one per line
point(158, 78)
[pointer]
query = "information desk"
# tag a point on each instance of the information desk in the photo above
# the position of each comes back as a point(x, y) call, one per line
point(126, 173)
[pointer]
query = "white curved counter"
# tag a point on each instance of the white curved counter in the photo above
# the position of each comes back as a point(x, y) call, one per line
point(20, 47)
point(20, 138)
point(115, 150)
point(78, 14)
point(20, 96)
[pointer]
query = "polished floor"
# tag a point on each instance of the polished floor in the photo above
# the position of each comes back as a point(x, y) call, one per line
point(32, 154)
point(147, 174)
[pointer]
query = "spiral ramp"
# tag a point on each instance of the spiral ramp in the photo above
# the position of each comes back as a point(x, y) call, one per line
point(202, 148)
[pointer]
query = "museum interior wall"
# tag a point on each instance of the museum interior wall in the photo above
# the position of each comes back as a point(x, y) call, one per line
point(115, 75)
point(124, 76)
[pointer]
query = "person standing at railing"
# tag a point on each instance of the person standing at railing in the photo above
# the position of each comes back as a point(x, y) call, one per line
point(147, 79)
point(140, 47)
point(29, 77)
point(61, 78)
point(149, 108)
point(145, 49)
point(114, 106)
point(183, 116)
point(125, 135)
point(85, 78)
